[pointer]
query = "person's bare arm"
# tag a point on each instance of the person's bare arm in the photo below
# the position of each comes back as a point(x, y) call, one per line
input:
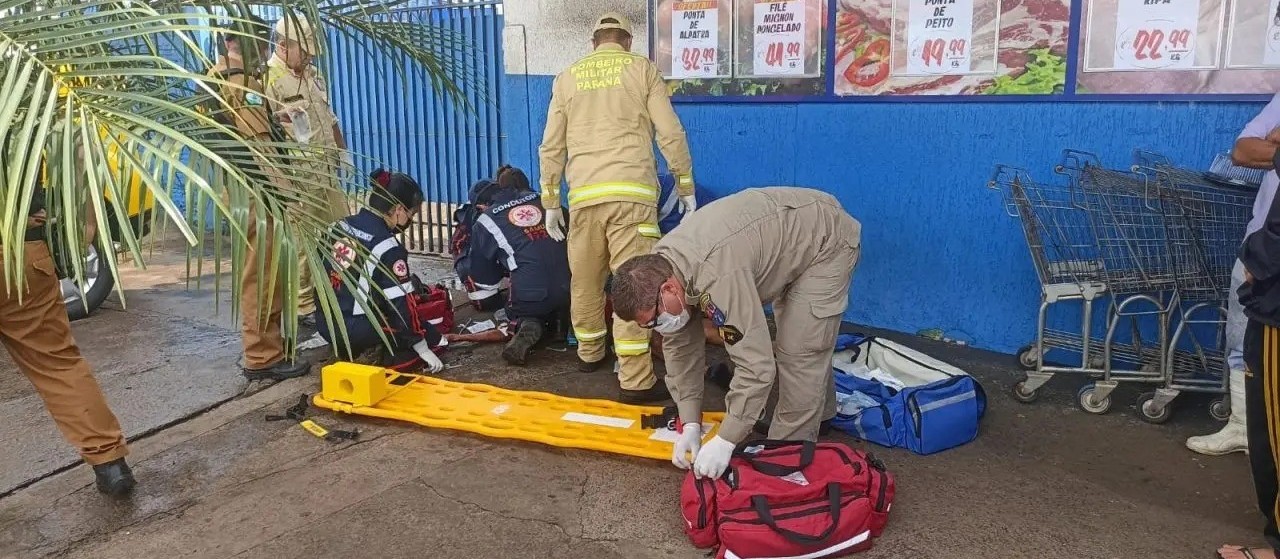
point(1256, 153)
point(338, 137)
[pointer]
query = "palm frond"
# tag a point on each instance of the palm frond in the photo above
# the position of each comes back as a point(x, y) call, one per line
point(104, 101)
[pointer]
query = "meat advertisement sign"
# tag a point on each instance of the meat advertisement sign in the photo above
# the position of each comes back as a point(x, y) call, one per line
point(951, 47)
point(1189, 47)
point(1156, 34)
point(747, 48)
point(779, 38)
point(1271, 46)
point(695, 39)
point(939, 37)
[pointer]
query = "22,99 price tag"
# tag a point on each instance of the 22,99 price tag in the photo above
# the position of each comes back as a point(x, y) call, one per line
point(1156, 34)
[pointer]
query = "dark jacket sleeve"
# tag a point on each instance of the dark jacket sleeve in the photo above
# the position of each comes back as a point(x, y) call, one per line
point(1260, 255)
point(401, 302)
point(1261, 250)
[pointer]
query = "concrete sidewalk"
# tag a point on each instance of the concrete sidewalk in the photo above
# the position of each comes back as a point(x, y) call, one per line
point(1042, 480)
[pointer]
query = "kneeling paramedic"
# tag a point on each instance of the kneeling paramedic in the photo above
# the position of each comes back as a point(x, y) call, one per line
point(509, 239)
point(367, 256)
point(793, 247)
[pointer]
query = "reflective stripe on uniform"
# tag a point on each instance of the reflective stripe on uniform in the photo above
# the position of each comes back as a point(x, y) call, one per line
point(398, 291)
point(375, 257)
point(628, 348)
point(685, 180)
point(487, 222)
point(482, 291)
point(588, 336)
point(639, 191)
point(549, 191)
point(649, 230)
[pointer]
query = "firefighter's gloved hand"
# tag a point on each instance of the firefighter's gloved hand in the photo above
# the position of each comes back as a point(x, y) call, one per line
point(555, 224)
point(690, 204)
point(688, 443)
point(434, 364)
point(713, 458)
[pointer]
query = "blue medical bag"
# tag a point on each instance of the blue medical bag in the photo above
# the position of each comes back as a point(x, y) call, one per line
point(919, 403)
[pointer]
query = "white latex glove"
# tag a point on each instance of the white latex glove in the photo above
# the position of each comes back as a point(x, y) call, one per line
point(555, 224)
point(689, 442)
point(690, 204)
point(713, 458)
point(434, 364)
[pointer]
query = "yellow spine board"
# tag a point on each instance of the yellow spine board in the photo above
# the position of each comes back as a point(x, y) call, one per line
point(498, 412)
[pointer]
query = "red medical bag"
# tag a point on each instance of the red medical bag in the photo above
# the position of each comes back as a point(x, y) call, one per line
point(787, 499)
point(435, 307)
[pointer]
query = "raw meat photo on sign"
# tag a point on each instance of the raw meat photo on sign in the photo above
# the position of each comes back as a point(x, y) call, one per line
point(951, 47)
point(1179, 47)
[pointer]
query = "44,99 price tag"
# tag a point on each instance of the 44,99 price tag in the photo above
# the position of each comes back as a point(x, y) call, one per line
point(1156, 35)
point(779, 27)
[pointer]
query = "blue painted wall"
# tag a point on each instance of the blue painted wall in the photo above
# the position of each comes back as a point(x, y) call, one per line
point(938, 249)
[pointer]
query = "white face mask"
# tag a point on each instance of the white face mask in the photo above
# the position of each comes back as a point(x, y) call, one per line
point(668, 323)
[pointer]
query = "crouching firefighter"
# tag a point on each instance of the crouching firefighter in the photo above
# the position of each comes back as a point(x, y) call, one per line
point(796, 248)
point(366, 256)
point(508, 238)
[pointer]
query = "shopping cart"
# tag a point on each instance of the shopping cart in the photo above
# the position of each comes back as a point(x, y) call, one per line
point(1204, 221)
point(1065, 257)
point(1130, 233)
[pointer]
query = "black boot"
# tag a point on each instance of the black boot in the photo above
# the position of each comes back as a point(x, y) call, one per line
point(591, 366)
point(517, 350)
point(656, 393)
point(720, 375)
point(282, 370)
point(114, 478)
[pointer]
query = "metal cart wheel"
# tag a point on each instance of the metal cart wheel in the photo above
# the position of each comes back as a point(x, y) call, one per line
point(1220, 409)
point(1021, 394)
point(1088, 402)
point(1149, 412)
point(1028, 357)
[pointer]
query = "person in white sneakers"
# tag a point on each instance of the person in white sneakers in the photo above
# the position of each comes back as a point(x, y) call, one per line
point(1254, 149)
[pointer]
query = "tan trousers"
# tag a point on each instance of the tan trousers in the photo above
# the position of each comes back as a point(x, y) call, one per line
point(601, 238)
point(259, 326)
point(808, 319)
point(333, 206)
point(37, 335)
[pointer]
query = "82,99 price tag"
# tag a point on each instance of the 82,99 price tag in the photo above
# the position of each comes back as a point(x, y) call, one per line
point(1156, 35)
point(695, 39)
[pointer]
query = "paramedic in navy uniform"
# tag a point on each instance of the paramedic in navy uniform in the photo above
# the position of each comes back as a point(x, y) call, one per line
point(508, 238)
point(393, 201)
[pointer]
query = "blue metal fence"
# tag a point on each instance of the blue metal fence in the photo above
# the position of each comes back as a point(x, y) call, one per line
point(410, 127)
point(404, 124)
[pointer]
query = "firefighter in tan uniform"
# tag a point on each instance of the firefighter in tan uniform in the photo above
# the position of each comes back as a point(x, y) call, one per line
point(246, 113)
point(35, 331)
point(300, 103)
point(605, 112)
point(793, 247)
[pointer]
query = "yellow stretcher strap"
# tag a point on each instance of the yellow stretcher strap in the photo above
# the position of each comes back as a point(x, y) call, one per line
point(497, 412)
